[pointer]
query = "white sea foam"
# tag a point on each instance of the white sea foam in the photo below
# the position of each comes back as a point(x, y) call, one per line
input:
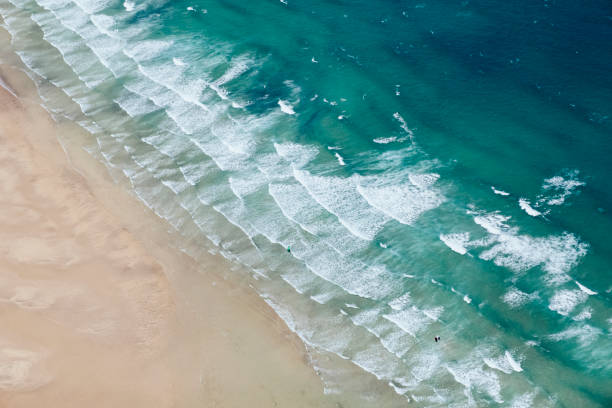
point(423, 180)
point(106, 24)
point(323, 298)
point(93, 6)
point(340, 197)
point(404, 127)
point(561, 187)
point(499, 363)
point(172, 146)
point(373, 282)
point(434, 313)
point(401, 302)
point(243, 186)
point(340, 159)
point(565, 300)
point(236, 136)
point(516, 298)
point(585, 289)
point(385, 140)
point(470, 373)
point(499, 192)
point(286, 107)
point(513, 363)
point(224, 158)
point(584, 314)
point(523, 401)
point(297, 154)
point(456, 242)
point(298, 206)
point(585, 334)
point(165, 85)
point(526, 206)
point(147, 49)
point(403, 202)
point(129, 5)
point(299, 280)
point(494, 223)
point(556, 254)
point(411, 320)
point(424, 365)
point(238, 66)
point(133, 104)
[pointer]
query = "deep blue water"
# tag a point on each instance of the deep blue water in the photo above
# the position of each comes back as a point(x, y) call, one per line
point(436, 167)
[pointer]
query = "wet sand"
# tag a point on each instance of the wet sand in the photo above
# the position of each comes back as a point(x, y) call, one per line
point(97, 309)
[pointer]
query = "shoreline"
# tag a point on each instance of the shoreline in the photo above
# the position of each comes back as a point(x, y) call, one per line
point(198, 336)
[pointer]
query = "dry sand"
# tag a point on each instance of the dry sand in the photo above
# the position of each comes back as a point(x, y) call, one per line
point(96, 310)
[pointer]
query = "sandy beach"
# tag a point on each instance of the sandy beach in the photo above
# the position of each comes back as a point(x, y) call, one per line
point(97, 310)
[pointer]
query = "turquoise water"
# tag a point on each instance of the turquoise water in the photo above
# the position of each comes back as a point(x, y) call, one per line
point(437, 169)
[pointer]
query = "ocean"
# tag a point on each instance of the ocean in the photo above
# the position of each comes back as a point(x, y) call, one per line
point(382, 172)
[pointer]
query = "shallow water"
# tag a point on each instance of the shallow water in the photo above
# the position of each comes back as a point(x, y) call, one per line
point(437, 168)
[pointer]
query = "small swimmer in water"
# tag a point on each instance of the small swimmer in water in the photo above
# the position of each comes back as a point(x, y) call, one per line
point(437, 339)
